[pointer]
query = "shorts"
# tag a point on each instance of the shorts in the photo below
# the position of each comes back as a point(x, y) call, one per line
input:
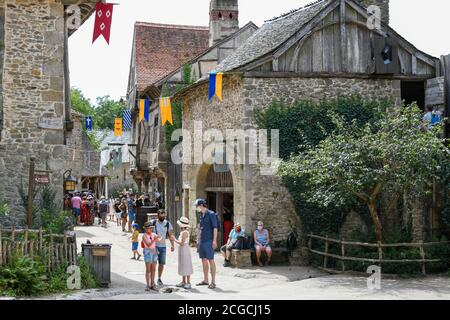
point(76, 212)
point(225, 248)
point(131, 217)
point(161, 255)
point(134, 246)
point(205, 250)
point(103, 215)
point(150, 256)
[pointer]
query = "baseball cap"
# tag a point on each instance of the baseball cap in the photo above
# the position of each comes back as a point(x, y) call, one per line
point(200, 202)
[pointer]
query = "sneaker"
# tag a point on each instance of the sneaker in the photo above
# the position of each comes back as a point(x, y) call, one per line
point(187, 286)
point(160, 283)
point(180, 285)
point(227, 264)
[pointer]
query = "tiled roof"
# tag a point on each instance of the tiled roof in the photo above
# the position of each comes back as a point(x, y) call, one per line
point(271, 35)
point(161, 48)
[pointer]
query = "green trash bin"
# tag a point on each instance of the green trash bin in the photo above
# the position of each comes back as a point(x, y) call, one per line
point(98, 257)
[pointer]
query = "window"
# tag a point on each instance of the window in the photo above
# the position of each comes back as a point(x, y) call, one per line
point(231, 16)
point(220, 15)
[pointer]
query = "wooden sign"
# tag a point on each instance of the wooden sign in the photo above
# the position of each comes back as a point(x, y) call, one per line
point(99, 252)
point(42, 178)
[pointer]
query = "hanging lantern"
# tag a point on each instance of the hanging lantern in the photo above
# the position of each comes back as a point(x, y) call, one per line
point(70, 182)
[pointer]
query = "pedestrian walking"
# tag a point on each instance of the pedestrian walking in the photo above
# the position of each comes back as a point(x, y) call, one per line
point(131, 206)
point(135, 242)
point(76, 207)
point(123, 214)
point(118, 212)
point(149, 240)
point(207, 242)
point(185, 268)
point(164, 229)
point(103, 210)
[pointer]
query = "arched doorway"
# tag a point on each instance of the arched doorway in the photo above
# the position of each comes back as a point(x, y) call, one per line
point(217, 189)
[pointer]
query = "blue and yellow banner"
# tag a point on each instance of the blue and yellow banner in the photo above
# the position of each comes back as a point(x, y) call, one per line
point(144, 110)
point(215, 85)
point(166, 110)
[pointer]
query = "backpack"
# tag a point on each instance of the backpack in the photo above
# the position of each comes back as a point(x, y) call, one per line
point(167, 226)
point(103, 206)
point(291, 242)
point(435, 119)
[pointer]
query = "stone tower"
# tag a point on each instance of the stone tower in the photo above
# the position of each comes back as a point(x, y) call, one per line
point(383, 4)
point(223, 19)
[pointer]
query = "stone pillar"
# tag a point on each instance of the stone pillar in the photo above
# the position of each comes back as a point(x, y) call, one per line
point(223, 19)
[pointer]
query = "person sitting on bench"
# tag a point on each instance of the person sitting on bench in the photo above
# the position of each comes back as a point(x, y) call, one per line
point(262, 243)
point(236, 235)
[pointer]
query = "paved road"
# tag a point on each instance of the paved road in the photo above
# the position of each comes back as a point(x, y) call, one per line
point(272, 283)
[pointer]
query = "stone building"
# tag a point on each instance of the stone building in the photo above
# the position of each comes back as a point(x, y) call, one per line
point(83, 159)
point(35, 117)
point(322, 51)
point(160, 53)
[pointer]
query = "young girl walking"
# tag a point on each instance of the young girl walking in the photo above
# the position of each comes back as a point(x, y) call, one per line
point(150, 255)
point(185, 268)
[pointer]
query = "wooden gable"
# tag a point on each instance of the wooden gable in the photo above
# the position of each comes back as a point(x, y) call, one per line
point(338, 41)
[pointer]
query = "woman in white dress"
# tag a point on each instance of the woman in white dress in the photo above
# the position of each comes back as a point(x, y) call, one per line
point(185, 268)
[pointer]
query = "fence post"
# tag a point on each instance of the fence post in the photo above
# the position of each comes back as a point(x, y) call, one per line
point(380, 252)
point(325, 259)
point(343, 254)
point(422, 255)
point(1, 251)
point(40, 241)
point(310, 242)
point(26, 241)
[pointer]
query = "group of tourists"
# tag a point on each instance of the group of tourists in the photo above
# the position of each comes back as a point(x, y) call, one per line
point(86, 207)
point(157, 231)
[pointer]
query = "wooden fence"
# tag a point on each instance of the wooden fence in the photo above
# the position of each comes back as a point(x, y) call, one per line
point(55, 249)
point(342, 257)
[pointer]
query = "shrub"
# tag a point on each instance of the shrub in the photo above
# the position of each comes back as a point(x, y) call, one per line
point(88, 279)
point(24, 277)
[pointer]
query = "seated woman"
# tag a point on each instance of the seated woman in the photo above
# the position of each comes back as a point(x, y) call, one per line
point(262, 243)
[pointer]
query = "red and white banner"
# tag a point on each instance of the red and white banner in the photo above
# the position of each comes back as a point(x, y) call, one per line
point(103, 20)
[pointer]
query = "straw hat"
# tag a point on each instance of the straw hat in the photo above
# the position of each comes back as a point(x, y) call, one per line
point(183, 222)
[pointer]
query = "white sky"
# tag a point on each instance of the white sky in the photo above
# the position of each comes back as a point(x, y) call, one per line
point(98, 69)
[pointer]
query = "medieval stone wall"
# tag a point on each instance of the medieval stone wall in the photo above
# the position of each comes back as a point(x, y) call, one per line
point(263, 197)
point(33, 93)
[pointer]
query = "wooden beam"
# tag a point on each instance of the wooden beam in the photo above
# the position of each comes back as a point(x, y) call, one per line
point(305, 29)
point(445, 68)
point(343, 35)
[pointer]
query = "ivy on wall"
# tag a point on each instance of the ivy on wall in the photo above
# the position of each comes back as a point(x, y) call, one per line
point(304, 125)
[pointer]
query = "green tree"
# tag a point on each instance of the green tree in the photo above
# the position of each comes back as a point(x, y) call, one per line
point(390, 155)
point(106, 111)
point(80, 103)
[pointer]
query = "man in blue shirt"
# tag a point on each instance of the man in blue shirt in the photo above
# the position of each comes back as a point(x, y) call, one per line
point(207, 242)
point(236, 233)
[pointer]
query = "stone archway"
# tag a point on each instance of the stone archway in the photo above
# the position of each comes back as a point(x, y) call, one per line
point(218, 189)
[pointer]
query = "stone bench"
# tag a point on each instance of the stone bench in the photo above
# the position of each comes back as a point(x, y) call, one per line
point(241, 258)
point(279, 256)
point(247, 258)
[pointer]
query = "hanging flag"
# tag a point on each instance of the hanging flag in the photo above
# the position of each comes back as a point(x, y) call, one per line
point(165, 110)
point(118, 127)
point(127, 120)
point(103, 20)
point(215, 85)
point(89, 123)
point(144, 110)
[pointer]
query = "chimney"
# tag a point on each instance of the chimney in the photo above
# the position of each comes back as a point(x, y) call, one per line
point(383, 4)
point(223, 19)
